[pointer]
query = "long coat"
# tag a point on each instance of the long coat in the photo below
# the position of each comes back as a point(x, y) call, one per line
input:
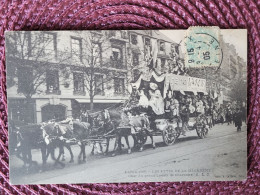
point(238, 119)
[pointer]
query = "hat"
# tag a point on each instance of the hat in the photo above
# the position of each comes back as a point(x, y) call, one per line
point(153, 86)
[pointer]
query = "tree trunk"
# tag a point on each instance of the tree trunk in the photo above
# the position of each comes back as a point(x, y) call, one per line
point(91, 103)
point(29, 110)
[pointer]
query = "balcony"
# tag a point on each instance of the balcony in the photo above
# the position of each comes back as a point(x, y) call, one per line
point(80, 93)
point(115, 36)
point(53, 92)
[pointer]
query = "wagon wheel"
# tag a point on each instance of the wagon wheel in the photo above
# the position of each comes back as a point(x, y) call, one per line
point(170, 134)
point(200, 126)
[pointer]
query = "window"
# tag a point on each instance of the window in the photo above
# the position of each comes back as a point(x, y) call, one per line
point(99, 85)
point(147, 41)
point(163, 62)
point(111, 33)
point(124, 34)
point(116, 54)
point(78, 79)
point(119, 85)
point(162, 46)
point(25, 80)
point(50, 44)
point(134, 39)
point(117, 58)
point(52, 81)
point(76, 48)
point(97, 54)
point(135, 58)
point(147, 49)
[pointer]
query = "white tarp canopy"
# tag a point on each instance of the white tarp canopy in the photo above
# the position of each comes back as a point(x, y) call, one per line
point(175, 83)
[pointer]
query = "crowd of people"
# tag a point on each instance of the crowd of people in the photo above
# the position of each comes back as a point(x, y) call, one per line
point(183, 105)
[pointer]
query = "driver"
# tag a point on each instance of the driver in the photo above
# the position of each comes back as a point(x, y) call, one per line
point(174, 107)
point(185, 115)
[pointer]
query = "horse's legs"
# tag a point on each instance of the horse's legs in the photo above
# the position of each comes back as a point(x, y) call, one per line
point(21, 155)
point(116, 145)
point(71, 154)
point(84, 152)
point(44, 157)
point(135, 141)
point(101, 148)
point(80, 153)
point(127, 142)
point(151, 136)
point(61, 151)
point(107, 146)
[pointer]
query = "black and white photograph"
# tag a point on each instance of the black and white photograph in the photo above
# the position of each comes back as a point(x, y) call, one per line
point(112, 106)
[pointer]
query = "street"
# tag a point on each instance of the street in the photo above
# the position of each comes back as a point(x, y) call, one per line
point(223, 154)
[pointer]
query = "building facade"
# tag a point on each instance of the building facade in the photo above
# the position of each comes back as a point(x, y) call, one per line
point(53, 75)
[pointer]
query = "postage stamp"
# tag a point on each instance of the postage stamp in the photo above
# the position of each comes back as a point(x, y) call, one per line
point(203, 47)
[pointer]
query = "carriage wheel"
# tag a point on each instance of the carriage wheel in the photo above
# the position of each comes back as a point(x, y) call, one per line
point(170, 134)
point(201, 128)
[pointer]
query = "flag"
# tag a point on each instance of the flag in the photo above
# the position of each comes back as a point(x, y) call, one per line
point(154, 52)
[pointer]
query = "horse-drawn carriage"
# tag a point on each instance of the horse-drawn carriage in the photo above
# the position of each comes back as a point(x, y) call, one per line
point(117, 122)
point(170, 128)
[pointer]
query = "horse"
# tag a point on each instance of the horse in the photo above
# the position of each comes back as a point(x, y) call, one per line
point(103, 127)
point(140, 126)
point(29, 137)
point(56, 135)
point(76, 131)
point(123, 127)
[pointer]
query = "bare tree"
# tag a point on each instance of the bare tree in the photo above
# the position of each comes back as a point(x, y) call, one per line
point(30, 55)
point(99, 64)
point(238, 90)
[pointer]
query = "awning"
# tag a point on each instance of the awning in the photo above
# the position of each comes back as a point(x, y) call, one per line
point(105, 101)
point(82, 101)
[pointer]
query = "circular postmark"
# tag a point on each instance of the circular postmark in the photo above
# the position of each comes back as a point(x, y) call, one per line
point(202, 49)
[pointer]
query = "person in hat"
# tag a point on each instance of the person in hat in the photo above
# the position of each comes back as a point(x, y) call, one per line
point(143, 101)
point(200, 106)
point(238, 118)
point(167, 100)
point(185, 115)
point(174, 107)
point(134, 97)
point(156, 101)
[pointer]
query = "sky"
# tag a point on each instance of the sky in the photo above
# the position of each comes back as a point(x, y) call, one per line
point(237, 37)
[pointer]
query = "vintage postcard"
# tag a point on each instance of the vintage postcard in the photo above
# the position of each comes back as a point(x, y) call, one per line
point(127, 105)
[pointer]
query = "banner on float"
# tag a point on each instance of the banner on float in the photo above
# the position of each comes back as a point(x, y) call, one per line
point(184, 83)
point(196, 84)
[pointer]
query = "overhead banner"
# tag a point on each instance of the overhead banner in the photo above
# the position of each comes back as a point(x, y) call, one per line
point(184, 83)
point(196, 84)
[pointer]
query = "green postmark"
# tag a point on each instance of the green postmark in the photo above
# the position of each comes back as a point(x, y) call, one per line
point(202, 47)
